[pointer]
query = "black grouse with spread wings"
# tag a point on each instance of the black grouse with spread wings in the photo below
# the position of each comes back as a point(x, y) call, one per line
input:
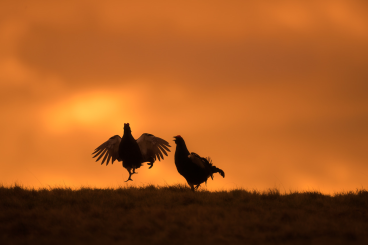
point(192, 167)
point(133, 153)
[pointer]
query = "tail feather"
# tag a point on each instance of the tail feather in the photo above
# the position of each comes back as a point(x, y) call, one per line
point(217, 170)
point(213, 169)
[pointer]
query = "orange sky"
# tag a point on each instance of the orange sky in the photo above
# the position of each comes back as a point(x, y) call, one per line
point(275, 92)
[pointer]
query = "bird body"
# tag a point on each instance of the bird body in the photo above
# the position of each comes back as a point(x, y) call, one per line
point(194, 168)
point(147, 148)
point(129, 150)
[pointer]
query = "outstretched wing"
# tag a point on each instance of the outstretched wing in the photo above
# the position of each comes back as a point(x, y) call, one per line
point(108, 150)
point(152, 147)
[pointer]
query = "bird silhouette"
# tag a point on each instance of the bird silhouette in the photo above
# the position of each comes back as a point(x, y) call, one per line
point(133, 153)
point(194, 168)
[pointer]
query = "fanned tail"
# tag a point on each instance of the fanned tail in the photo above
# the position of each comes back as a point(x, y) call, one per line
point(214, 169)
point(217, 170)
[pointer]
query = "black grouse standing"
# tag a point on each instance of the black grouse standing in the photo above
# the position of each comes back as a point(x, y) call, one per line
point(147, 148)
point(192, 167)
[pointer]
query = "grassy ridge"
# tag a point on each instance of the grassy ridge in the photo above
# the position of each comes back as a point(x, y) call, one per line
point(176, 215)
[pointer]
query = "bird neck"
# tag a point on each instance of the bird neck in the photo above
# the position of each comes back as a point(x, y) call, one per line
point(127, 134)
point(182, 149)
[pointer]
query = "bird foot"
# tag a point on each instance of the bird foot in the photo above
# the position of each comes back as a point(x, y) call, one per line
point(150, 164)
point(128, 179)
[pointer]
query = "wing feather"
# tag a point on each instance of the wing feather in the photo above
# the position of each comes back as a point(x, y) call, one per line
point(98, 152)
point(156, 152)
point(101, 155)
point(163, 150)
point(159, 153)
point(163, 143)
point(109, 150)
point(104, 159)
point(197, 160)
point(152, 147)
point(108, 160)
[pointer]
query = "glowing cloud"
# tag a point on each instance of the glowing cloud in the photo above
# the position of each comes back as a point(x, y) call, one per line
point(85, 110)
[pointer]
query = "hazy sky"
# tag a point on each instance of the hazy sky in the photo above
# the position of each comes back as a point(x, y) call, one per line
point(275, 92)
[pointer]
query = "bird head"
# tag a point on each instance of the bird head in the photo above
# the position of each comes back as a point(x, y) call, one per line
point(126, 127)
point(178, 138)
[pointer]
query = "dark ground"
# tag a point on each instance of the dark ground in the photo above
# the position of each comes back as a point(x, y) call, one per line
point(175, 215)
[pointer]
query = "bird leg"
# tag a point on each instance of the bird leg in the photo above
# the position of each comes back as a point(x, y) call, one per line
point(130, 174)
point(191, 187)
point(129, 178)
point(134, 172)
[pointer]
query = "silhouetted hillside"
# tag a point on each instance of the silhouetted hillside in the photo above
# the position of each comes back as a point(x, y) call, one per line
point(176, 215)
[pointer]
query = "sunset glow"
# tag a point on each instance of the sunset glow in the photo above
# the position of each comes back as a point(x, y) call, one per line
point(274, 92)
point(85, 110)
